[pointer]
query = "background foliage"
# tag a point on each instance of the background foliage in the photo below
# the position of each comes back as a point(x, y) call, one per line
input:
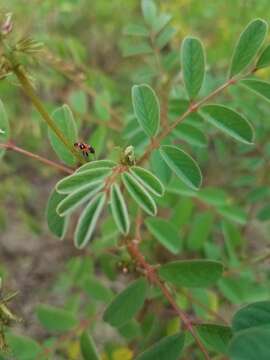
point(89, 62)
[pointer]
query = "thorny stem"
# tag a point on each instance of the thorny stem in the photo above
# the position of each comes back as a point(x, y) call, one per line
point(133, 249)
point(193, 108)
point(30, 92)
point(10, 146)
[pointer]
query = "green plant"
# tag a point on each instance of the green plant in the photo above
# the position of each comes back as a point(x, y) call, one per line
point(119, 191)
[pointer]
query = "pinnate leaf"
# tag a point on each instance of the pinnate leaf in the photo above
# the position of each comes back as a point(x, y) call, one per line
point(191, 273)
point(193, 65)
point(56, 224)
point(248, 45)
point(88, 221)
point(146, 108)
point(182, 165)
point(229, 121)
point(139, 194)
point(126, 304)
point(148, 180)
point(119, 209)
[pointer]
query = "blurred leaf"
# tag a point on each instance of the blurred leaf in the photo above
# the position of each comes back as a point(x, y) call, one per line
point(182, 165)
point(213, 196)
point(88, 221)
point(24, 348)
point(215, 337)
point(88, 347)
point(166, 233)
point(200, 230)
point(140, 48)
point(193, 65)
point(161, 21)
point(264, 59)
point(229, 121)
point(71, 202)
point(148, 180)
point(96, 290)
point(119, 209)
point(149, 11)
point(126, 304)
point(191, 273)
point(56, 224)
point(168, 348)
point(136, 30)
point(191, 135)
point(233, 213)
point(159, 167)
point(259, 87)
point(4, 128)
point(264, 213)
point(146, 108)
point(250, 344)
point(98, 139)
point(165, 36)
point(248, 45)
point(78, 101)
point(55, 319)
point(64, 120)
point(80, 179)
point(139, 194)
point(130, 330)
point(253, 315)
point(102, 106)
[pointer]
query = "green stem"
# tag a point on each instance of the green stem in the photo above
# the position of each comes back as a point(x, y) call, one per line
point(28, 89)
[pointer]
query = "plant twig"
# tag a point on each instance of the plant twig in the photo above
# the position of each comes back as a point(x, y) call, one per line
point(10, 146)
point(30, 92)
point(133, 249)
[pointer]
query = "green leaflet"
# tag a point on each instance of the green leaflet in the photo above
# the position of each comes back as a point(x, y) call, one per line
point(56, 224)
point(193, 65)
point(250, 344)
point(146, 108)
point(200, 230)
point(168, 348)
point(88, 221)
point(136, 30)
point(214, 336)
point(253, 315)
point(55, 319)
point(126, 304)
point(65, 122)
point(96, 164)
point(182, 165)
point(229, 121)
point(139, 194)
point(264, 59)
point(149, 11)
point(191, 135)
point(88, 347)
point(23, 347)
point(4, 127)
point(119, 209)
point(166, 233)
point(259, 87)
point(148, 180)
point(78, 180)
point(248, 45)
point(191, 273)
point(78, 197)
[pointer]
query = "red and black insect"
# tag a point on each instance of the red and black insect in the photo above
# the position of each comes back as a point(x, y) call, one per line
point(85, 148)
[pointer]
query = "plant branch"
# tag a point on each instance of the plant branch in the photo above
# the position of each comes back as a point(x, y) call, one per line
point(193, 108)
point(10, 146)
point(30, 92)
point(134, 251)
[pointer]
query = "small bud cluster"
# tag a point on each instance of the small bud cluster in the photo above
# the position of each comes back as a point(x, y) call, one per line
point(128, 157)
point(7, 25)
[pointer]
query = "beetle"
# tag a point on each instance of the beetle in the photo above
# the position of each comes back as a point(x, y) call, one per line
point(85, 148)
